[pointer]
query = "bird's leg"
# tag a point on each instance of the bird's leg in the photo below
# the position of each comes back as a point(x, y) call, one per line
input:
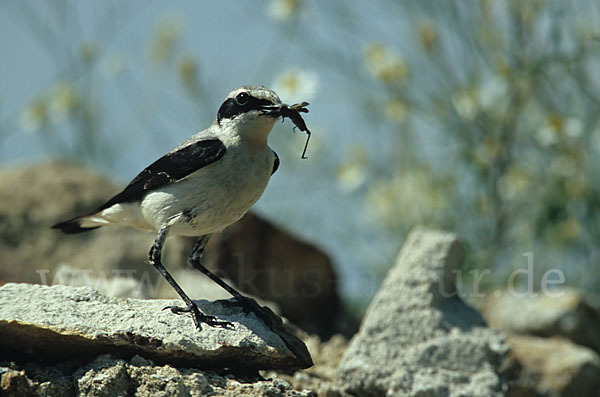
point(191, 307)
point(249, 305)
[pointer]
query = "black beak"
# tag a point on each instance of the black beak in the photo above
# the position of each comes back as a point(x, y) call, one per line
point(285, 110)
point(272, 110)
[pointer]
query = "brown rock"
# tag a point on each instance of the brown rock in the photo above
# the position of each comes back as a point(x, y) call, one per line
point(556, 366)
point(565, 313)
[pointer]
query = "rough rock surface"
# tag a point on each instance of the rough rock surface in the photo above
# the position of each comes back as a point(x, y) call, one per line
point(109, 376)
point(265, 260)
point(556, 366)
point(62, 323)
point(565, 313)
point(418, 338)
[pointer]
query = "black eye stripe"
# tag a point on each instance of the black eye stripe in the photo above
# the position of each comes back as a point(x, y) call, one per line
point(231, 108)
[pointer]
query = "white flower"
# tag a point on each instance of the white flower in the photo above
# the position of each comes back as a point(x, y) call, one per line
point(465, 103)
point(513, 182)
point(63, 100)
point(573, 127)
point(549, 132)
point(547, 135)
point(351, 177)
point(295, 85)
point(282, 10)
point(491, 95)
point(386, 64)
point(353, 172)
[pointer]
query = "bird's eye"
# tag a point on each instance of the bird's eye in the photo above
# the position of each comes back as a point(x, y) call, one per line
point(242, 98)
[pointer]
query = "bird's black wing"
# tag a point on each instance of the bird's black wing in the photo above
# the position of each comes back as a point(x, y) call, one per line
point(171, 167)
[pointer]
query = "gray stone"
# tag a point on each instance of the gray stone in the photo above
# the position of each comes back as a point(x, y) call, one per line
point(556, 366)
point(62, 323)
point(418, 338)
point(109, 376)
point(565, 312)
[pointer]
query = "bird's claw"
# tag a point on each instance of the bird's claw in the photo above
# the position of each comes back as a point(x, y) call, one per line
point(199, 317)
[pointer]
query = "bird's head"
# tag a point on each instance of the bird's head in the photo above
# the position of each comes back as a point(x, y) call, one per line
point(250, 112)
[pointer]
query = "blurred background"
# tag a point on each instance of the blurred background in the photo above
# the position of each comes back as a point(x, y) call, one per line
point(480, 117)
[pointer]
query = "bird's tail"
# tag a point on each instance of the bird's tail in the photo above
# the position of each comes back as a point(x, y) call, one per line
point(80, 224)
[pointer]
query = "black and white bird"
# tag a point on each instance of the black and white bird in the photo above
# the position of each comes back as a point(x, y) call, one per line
point(200, 187)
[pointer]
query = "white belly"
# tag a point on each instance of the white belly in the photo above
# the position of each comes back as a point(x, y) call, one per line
point(213, 197)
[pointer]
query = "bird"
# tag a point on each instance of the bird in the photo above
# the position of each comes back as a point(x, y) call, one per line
point(201, 186)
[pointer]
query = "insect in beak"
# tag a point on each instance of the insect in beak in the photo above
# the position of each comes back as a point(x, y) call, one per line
point(293, 113)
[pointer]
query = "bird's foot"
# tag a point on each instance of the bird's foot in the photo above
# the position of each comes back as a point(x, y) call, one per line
point(199, 317)
point(248, 306)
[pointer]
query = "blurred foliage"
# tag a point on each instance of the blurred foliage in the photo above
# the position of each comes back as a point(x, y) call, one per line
point(491, 109)
point(496, 129)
